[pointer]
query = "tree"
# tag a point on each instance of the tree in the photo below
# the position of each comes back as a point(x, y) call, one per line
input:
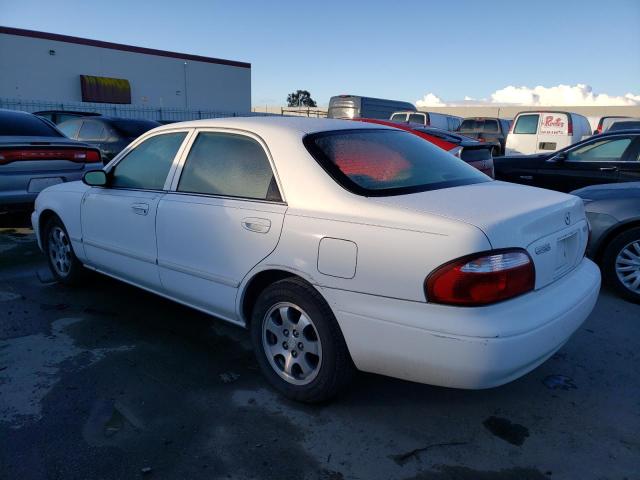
point(300, 98)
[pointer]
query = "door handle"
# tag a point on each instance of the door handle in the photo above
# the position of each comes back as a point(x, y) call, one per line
point(258, 225)
point(608, 169)
point(526, 177)
point(140, 208)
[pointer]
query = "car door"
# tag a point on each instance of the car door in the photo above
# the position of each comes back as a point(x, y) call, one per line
point(223, 215)
point(629, 168)
point(592, 163)
point(525, 134)
point(118, 221)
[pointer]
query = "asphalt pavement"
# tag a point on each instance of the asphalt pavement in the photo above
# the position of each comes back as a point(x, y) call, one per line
point(107, 381)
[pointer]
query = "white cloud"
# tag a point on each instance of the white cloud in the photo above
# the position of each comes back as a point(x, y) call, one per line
point(430, 100)
point(560, 95)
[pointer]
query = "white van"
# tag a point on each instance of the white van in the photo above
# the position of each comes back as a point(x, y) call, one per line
point(540, 132)
point(428, 119)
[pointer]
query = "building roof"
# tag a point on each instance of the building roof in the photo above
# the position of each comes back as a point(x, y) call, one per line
point(118, 46)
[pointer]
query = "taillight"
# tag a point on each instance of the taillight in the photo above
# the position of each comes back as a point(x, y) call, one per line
point(456, 152)
point(570, 127)
point(482, 279)
point(78, 155)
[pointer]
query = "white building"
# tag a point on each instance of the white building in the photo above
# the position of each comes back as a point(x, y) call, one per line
point(39, 68)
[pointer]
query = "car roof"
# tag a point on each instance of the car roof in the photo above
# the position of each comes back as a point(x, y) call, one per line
point(257, 124)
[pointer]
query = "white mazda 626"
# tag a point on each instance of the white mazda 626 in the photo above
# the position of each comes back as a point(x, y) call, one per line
point(339, 245)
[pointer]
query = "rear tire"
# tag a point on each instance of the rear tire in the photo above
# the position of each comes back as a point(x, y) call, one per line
point(621, 264)
point(298, 343)
point(64, 264)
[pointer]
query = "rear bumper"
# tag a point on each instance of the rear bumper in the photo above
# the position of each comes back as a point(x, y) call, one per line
point(14, 187)
point(465, 347)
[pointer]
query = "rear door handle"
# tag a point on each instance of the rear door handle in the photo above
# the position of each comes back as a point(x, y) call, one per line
point(526, 177)
point(608, 169)
point(258, 225)
point(140, 208)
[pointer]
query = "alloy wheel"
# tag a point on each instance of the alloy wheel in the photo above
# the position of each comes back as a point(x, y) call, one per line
point(291, 343)
point(628, 266)
point(60, 251)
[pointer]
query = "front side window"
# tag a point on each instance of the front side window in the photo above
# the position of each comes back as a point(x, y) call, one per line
point(146, 167)
point(527, 124)
point(600, 151)
point(228, 165)
point(417, 118)
point(387, 162)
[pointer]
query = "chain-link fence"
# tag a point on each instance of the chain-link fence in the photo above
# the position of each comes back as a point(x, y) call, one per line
point(123, 111)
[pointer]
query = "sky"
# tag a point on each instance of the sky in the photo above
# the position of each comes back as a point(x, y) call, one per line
point(433, 52)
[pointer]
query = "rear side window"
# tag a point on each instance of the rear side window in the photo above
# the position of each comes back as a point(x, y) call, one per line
point(91, 131)
point(387, 162)
point(146, 167)
point(70, 128)
point(228, 165)
point(600, 151)
point(399, 117)
point(20, 124)
point(476, 154)
point(527, 124)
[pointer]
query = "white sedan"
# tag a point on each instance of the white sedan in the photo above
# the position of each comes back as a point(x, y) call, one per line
point(340, 245)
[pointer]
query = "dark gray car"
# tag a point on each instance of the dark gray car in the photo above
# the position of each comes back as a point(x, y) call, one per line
point(35, 155)
point(614, 215)
point(109, 134)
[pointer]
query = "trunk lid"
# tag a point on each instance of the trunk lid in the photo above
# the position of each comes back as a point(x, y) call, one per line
point(551, 226)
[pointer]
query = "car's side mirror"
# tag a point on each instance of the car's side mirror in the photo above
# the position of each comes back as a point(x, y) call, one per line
point(561, 157)
point(95, 178)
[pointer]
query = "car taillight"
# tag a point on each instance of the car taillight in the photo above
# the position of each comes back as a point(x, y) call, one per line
point(570, 127)
point(456, 152)
point(482, 279)
point(78, 155)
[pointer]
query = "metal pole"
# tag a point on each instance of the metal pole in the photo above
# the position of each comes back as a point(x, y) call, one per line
point(186, 94)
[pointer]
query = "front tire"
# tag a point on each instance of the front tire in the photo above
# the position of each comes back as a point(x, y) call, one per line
point(298, 343)
point(64, 264)
point(621, 264)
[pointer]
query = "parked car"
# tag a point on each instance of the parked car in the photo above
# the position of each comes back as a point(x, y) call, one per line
point(610, 157)
point(337, 245)
point(618, 125)
point(109, 134)
point(428, 119)
point(354, 106)
point(59, 116)
point(540, 132)
point(35, 155)
point(604, 123)
point(613, 212)
point(487, 129)
point(475, 153)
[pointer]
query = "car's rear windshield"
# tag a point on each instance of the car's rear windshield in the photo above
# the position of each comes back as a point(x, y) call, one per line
point(381, 162)
point(134, 128)
point(19, 124)
point(479, 126)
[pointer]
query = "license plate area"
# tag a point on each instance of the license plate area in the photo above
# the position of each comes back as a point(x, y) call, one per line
point(36, 185)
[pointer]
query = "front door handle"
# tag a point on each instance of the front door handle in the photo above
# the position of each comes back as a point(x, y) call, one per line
point(608, 169)
point(140, 208)
point(258, 225)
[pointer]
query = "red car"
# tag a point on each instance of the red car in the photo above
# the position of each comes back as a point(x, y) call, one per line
point(475, 153)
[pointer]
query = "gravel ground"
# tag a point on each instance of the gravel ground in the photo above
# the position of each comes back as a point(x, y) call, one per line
point(108, 381)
